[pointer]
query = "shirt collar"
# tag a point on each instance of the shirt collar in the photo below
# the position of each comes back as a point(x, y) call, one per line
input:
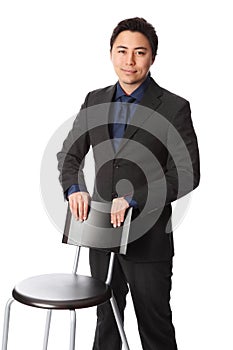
point(137, 94)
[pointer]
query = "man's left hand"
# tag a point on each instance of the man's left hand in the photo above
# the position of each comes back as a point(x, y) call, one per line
point(118, 209)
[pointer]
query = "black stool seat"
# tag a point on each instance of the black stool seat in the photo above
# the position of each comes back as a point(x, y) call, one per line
point(61, 291)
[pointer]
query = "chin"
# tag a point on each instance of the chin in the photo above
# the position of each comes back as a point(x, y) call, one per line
point(134, 82)
point(130, 80)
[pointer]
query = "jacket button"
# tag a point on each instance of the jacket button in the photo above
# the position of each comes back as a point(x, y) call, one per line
point(115, 164)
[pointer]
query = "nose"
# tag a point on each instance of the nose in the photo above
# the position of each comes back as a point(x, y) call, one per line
point(130, 59)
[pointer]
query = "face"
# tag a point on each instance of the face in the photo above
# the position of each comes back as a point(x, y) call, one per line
point(131, 56)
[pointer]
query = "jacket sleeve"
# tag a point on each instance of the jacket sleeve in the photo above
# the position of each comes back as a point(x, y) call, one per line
point(182, 172)
point(72, 155)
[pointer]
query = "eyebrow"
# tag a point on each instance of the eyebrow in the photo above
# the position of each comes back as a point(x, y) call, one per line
point(136, 48)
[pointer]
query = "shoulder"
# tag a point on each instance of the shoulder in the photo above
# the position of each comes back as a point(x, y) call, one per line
point(170, 103)
point(101, 91)
point(167, 96)
point(171, 97)
point(98, 96)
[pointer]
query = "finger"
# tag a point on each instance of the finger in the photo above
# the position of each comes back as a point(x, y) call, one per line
point(118, 220)
point(74, 208)
point(80, 209)
point(114, 213)
point(85, 209)
point(114, 220)
point(122, 215)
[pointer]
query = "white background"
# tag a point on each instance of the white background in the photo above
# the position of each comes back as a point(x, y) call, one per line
point(52, 54)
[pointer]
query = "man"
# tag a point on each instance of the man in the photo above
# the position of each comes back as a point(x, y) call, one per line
point(151, 159)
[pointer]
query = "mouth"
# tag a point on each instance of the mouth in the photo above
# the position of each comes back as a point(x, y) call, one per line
point(129, 71)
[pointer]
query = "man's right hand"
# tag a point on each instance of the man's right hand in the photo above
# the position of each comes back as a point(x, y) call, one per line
point(79, 202)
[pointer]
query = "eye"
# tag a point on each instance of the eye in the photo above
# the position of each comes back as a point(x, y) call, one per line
point(122, 51)
point(140, 53)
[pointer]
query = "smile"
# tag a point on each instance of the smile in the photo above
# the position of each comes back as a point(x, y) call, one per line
point(128, 71)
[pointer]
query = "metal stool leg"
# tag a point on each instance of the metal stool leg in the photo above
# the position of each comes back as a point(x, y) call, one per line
point(6, 324)
point(119, 323)
point(72, 329)
point(47, 328)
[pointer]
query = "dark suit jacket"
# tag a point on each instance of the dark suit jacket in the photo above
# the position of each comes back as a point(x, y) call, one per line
point(158, 160)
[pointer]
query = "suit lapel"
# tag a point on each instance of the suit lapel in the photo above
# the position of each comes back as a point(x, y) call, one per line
point(102, 103)
point(151, 101)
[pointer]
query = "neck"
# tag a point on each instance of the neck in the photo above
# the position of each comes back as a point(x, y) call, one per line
point(129, 89)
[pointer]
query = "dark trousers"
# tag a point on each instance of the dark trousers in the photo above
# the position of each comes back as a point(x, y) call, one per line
point(150, 286)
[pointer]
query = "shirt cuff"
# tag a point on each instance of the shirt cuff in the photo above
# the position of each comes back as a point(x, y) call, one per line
point(75, 188)
point(131, 201)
